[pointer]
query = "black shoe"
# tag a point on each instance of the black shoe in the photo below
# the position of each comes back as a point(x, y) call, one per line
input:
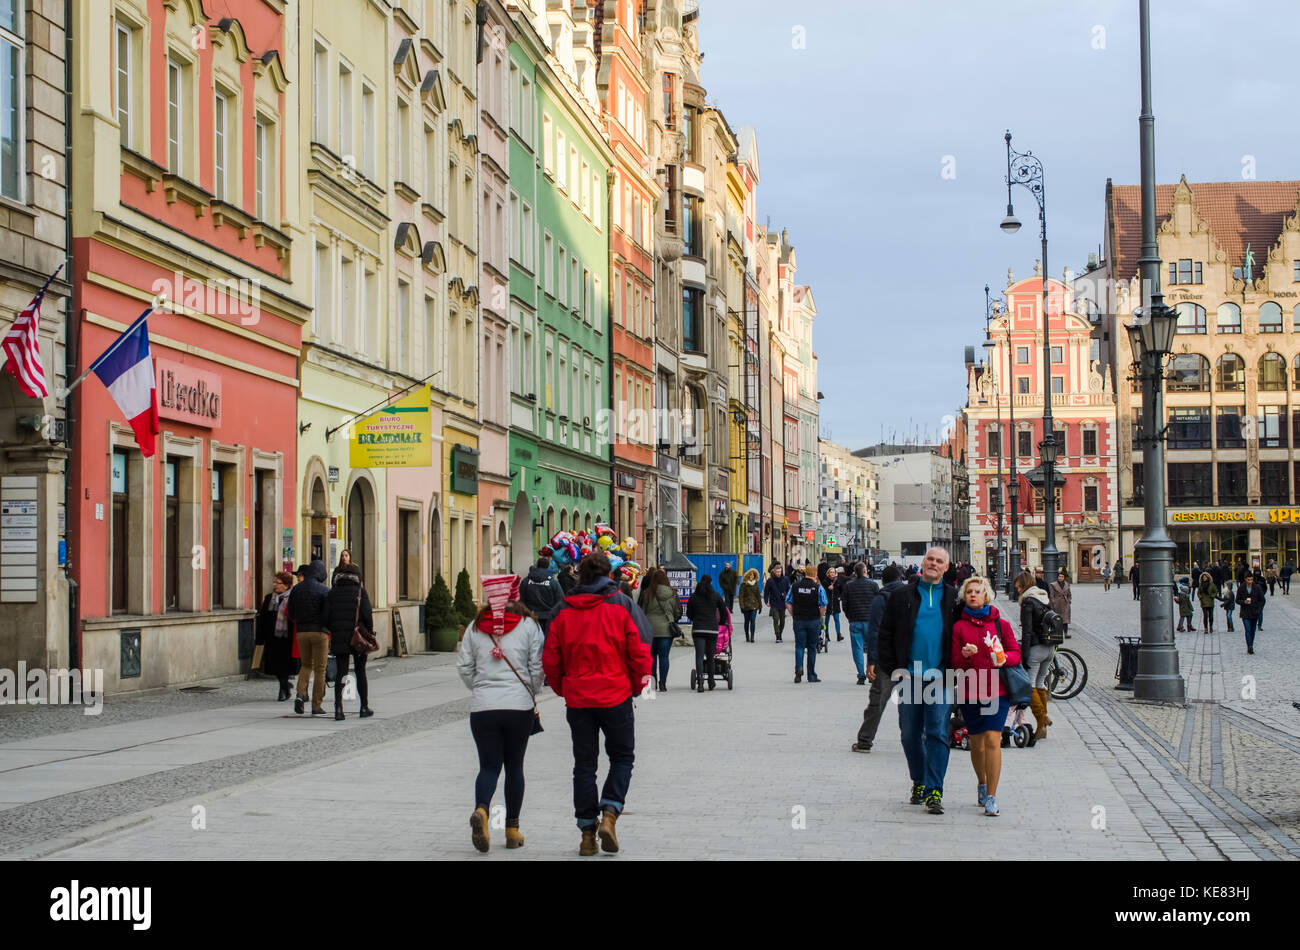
point(318, 712)
point(1250, 649)
point(838, 638)
point(366, 712)
point(663, 687)
point(283, 695)
point(918, 795)
point(338, 714)
point(814, 678)
point(700, 688)
point(798, 676)
point(862, 680)
point(934, 802)
point(712, 685)
point(860, 747)
point(298, 704)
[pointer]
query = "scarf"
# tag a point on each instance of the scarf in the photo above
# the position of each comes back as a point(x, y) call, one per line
point(981, 614)
point(280, 604)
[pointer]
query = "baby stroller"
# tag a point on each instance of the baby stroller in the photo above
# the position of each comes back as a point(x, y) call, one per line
point(824, 638)
point(722, 659)
point(1017, 731)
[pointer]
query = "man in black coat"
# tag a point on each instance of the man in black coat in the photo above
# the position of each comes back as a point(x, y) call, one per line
point(307, 614)
point(857, 597)
point(347, 606)
point(892, 577)
point(728, 581)
point(774, 591)
point(916, 641)
point(1134, 576)
point(541, 592)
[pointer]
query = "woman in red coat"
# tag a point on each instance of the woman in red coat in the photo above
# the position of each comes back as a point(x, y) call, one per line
point(983, 642)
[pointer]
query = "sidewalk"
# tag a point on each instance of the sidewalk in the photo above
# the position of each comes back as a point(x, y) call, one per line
point(763, 771)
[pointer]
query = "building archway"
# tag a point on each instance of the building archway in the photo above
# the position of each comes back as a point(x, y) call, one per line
point(362, 530)
point(435, 545)
point(522, 549)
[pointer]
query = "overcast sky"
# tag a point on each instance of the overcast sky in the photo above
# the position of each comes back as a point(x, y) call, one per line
point(856, 128)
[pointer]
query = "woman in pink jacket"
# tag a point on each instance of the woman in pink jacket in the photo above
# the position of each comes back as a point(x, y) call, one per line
point(983, 642)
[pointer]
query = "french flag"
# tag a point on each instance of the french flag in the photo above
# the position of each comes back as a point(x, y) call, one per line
point(126, 368)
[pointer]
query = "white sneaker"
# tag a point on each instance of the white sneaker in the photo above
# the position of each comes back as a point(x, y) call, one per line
point(991, 807)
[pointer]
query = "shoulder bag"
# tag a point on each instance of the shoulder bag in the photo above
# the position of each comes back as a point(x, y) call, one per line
point(674, 630)
point(363, 641)
point(537, 717)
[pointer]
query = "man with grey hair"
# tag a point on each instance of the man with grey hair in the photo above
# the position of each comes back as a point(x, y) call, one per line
point(916, 640)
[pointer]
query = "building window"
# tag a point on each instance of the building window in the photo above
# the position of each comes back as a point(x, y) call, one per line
point(408, 547)
point(1189, 427)
point(221, 134)
point(121, 515)
point(1230, 373)
point(1232, 483)
point(995, 497)
point(1056, 498)
point(12, 77)
point(1295, 271)
point(1139, 483)
point(1191, 318)
point(670, 201)
point(370, 138)
point(319, 94)
point(1022, 354)
point(221, 522)
point(1189, 483)
point(1228, 318)
point(1058, 384)
point(402, 356)
point(1090, 498)
point(1272, 373)
point(171, 536)
point(1022, 385)
point(1185, 271)
point(1058, 436)
point(1188, 373)
point(403, 141)
point(548, 145)
point(692, 226)
point(1090, 442)
point(1058, 354)
point(345, 115)
point(1274, 484)
point(995, 443)
point(175, 105)
point(692, 304)
point(561, 162)
point(1025, 444)
point(670, 116)
point(1270, 318)
point(265, 171)
point(1227, 426)
point(1272, 427)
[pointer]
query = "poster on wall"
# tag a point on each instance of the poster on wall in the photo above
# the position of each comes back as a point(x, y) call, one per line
point(398, 436)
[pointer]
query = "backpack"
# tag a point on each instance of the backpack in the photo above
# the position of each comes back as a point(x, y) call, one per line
point(1051, 628)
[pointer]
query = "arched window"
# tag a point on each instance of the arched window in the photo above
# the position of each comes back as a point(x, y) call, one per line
point(1191, 317)
point(1230, 373)
point(1189, 373)
point(1270, 318)
point(1295, 318)
point(359, 515)
point(564, 519)
point(1228, 319)
point(550, 523)
point(1272, 373)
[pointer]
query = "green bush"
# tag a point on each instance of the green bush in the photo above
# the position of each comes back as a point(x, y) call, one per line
point(437, 607)
point(464, 608)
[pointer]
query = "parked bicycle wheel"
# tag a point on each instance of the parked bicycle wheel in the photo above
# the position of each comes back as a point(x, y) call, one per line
point(1073, 676)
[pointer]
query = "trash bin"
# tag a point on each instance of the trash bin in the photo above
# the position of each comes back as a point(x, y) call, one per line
point(1127, 666)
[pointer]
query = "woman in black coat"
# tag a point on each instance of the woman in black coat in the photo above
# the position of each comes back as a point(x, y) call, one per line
point(1250, 600)
point(705, 610)
point(275, 632)
point(342, 616)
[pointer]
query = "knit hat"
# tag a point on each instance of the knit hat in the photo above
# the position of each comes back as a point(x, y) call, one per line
point(500, 589)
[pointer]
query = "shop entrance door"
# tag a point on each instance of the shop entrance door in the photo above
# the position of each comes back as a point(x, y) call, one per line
point(1091, 559)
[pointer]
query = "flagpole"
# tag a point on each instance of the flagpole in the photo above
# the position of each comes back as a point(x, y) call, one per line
point(102, 356)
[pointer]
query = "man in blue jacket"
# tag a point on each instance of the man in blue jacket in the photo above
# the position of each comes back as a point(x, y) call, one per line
point(774, 592)
point(892, 578)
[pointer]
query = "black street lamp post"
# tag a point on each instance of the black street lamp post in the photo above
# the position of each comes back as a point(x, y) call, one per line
point(1023, 168)
point(1013, 486)
point(1152, 338)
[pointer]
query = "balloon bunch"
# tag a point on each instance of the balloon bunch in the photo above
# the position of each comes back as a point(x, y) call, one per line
point(568, 547)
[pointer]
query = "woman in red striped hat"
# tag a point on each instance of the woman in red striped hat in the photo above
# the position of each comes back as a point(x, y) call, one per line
point(501, 663)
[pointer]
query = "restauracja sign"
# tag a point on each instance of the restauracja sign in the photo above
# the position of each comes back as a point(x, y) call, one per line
point(1275, 516)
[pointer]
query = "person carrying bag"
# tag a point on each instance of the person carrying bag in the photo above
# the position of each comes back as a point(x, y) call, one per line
point(350, 621)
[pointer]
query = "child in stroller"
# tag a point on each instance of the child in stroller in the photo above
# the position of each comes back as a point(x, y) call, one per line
point(722, 658)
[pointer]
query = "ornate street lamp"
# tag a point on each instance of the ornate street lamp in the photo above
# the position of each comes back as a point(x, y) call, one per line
point(1152, 336)
point(1023, 168)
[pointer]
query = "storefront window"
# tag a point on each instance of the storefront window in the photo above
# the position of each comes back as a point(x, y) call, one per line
point(1232, 483)
point(1281, 545)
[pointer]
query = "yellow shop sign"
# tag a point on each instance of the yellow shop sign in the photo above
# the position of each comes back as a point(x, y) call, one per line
point(397, 436)
point(1284, 515)
point(1194, 516)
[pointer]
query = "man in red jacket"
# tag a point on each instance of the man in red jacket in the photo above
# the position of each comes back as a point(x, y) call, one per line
point(595, 658)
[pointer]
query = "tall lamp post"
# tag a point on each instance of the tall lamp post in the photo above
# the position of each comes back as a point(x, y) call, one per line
point(999, 578)
point(1013, 486)
point(1152, 338)
point(1023, 168)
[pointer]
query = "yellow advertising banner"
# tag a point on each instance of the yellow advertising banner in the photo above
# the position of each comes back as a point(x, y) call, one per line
point(397, 436)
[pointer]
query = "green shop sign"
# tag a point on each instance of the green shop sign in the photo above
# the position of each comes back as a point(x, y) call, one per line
point(464, 469)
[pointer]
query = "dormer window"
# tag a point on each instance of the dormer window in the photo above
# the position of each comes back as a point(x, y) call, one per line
point(1185, 271)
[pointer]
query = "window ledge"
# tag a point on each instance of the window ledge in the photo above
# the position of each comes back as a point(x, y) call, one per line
point(224, 213)
point(432, 213)
point(264, 234)
point(405, 191)
point(176, 188)
point(146, 169)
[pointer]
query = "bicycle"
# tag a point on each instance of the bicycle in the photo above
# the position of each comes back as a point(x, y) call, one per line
point(1067, 674)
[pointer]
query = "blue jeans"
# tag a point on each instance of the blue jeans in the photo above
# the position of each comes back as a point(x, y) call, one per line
point(806, 633)
point(751, 619)
point(1250, 624)
point(586, 725)
point(827, 622)
point(857, 638)
point(660, 647)
point(924, 728)
point(1229, 613)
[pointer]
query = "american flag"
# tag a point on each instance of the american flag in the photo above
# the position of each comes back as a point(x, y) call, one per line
point(23, 347)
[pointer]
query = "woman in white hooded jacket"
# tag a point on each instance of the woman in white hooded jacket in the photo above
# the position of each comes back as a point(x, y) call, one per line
point(501, 663)
point(1034, 603)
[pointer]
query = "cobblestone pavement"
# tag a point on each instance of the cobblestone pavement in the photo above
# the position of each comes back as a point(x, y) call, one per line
point(763, 771)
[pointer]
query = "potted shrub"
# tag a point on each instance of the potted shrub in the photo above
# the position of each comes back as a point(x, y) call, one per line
point(440, 622)
point(464, 609)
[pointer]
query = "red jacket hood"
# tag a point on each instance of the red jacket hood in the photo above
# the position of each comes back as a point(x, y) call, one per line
point(584, 601)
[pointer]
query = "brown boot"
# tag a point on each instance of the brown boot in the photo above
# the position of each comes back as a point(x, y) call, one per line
point(608, 840)
point(588, 846)
point(1047, 717)
point(514, 839)
point(1039, 709)
point(478, 825)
